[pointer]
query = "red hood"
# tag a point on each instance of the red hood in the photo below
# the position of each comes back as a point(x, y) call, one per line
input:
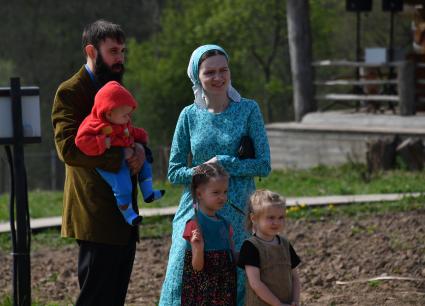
point(110, 96)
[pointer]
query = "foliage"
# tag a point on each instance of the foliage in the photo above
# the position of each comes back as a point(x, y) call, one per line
point(253, 33)
point(45, 45)
point(6, 71)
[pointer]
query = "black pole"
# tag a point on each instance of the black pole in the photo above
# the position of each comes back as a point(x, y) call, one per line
point(390, 88)
point(358, 28)
point(357, 88)
point(21, 254)
point(391, 42)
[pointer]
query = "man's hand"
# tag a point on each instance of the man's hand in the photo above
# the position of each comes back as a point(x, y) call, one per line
point(128, 152)
point(108, 142)
point(135, 162)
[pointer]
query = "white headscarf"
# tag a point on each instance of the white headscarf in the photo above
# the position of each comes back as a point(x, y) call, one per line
point(193, 73)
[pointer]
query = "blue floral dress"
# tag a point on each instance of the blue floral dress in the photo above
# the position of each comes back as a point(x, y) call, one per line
point(205, 135)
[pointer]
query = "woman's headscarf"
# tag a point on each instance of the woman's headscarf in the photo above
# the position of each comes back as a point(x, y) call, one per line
point(193, 73)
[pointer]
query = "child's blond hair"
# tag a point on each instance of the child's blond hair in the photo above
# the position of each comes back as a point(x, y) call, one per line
point(259, 201)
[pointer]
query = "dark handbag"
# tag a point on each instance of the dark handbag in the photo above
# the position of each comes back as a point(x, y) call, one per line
point(246, 148)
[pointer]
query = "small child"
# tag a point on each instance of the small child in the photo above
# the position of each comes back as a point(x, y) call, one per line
point(209, 272)
point(109, 124)
point(268, 258)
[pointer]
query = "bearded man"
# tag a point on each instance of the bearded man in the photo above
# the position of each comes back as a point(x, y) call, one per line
point(106, 242)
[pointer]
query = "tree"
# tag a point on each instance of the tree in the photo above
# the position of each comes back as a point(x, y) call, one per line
point(253, 33)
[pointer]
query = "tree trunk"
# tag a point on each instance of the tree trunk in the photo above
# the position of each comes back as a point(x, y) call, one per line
point(411, 153)
point(300, 49)
point(381, 154)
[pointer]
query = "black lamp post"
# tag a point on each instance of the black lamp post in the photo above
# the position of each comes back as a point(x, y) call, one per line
point(392, 6)
point(21, 104)
point(358, 6)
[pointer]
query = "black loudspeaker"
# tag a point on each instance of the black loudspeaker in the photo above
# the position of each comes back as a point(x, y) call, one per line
point(359, 5)
point(392, 5)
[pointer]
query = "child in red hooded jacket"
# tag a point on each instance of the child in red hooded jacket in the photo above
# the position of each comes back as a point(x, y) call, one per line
point(109, 124)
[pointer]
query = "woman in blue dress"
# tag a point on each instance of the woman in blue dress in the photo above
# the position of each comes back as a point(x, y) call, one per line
point(210, 130)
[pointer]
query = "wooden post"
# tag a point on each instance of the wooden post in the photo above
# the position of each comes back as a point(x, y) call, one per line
point(406, 88)
point(300, 50)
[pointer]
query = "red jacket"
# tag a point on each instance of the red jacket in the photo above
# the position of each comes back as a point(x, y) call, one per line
point(95, 128)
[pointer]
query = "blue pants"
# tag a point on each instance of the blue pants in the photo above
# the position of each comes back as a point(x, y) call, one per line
point(120, 181)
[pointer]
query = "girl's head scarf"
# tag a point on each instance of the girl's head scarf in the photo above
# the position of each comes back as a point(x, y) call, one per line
point(193, 73)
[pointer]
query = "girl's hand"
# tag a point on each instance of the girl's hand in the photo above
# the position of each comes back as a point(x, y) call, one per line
point(197, 241)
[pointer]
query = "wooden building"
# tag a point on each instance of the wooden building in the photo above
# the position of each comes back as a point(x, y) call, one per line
point(336, 137)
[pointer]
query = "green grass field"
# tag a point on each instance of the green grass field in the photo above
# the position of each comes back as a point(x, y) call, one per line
point(347, 179)
point(319, 181)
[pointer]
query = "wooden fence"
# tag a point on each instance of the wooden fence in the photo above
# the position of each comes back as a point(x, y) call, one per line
point(396, 79)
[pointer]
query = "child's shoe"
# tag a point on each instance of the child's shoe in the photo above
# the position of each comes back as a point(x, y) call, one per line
point(149, 194)
point(130, 215)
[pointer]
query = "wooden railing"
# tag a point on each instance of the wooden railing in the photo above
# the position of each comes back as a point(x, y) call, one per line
point(399, 85)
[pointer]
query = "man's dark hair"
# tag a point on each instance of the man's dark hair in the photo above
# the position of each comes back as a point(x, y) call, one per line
point(99, 30)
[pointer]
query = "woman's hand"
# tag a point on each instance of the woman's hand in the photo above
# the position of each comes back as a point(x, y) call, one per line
point(212, 160)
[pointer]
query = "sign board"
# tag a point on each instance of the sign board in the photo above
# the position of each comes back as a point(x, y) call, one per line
point(31, 125)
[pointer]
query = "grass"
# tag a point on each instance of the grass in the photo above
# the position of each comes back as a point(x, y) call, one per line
point(347, 179)
point(319, 181)
point(8, 301)
point(159, 226)
point(49, 203)
point(356, 211)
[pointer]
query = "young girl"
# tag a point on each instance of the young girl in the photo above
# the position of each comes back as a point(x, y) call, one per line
point(268, 258)
point(209, 272)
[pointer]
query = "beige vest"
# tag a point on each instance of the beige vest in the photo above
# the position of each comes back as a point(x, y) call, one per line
point(275, 271)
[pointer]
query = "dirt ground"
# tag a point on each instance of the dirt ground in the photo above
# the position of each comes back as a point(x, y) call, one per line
point(331, 250)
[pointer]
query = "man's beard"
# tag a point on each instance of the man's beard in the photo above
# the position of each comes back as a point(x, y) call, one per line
point(104, 73)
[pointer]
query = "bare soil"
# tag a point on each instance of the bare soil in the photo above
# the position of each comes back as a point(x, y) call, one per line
point(343, 249)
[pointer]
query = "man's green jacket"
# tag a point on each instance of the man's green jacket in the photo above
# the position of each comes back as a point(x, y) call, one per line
point(89, 207)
